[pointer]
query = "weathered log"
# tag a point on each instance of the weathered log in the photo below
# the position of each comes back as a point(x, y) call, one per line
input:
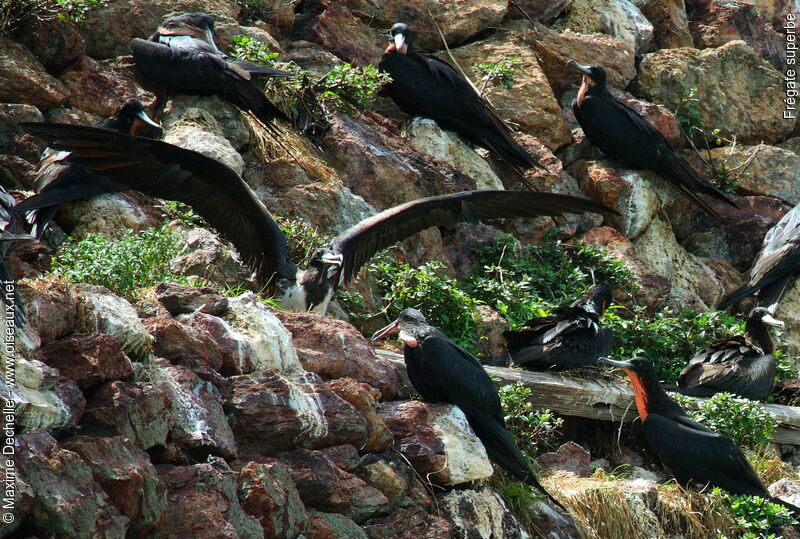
point(603, 399)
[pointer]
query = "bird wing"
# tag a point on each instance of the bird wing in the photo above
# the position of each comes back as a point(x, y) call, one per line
point(359, 243)
point(690, 451)
point(163, 170)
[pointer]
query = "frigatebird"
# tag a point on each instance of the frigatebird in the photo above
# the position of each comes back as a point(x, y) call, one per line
point(743, 364)
point(58, 181)
point(775, 265)
point(444, 373)
point(688, 450)
point(9, 220)
point(570, 337)
point(219, 195)
point(623, 135)
point(182, 55)
point(424, 85)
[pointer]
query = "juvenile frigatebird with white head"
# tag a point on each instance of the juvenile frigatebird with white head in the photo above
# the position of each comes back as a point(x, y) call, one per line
point(219, 195)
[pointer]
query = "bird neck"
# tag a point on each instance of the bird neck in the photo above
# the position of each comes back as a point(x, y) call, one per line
point(650, 396)
point(758, 333)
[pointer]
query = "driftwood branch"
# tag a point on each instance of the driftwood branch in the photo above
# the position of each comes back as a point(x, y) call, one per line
point(607, 400)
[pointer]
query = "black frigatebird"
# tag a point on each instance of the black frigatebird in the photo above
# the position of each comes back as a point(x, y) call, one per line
point(220, 196)
point(182, 55)
point(570, 337)
point(424, 85)
point(775, 265)
point(744, 364)
point(623, 135)
point(58, 181)
point(9, 220)
point(444, 373)
point(688, 450)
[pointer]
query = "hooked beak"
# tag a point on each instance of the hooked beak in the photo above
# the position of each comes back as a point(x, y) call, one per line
point(774, 322)
point(619, 364)
point(146, 119)
point(333, 260)
point(391, 329)
point(578, 67)
point(399, 42)
point(210, 39)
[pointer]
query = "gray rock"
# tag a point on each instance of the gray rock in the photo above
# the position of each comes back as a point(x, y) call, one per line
point(618, 18)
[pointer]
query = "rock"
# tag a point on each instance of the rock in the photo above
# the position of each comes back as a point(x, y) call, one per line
point(334, 349)
point(274, 413)
point(88, 359)
point(344, 457)
point(50, 309)
point(182, 299)
point(56, 43)
point(426, 136)
point(332, 526)
point(544, 11)
point(24, 80)
point(786, 490)
point(480, 513)
point(62, 115)
point(530, 89)
point(125, 473)
point(407, 523)
point(787, 311)
point(99, 90)
point(206, 256)
point(570, 457)
point(182, 344)
point(100, 311)
point(212, 487)
point(489, 331)
point(209, 144)
point(775, 12)
point(200, 426)
point(311, 57)
point(716, 22)
point(458, 21)
point(66, 500)
point(112, 215)
point(437, 441)
point(325, 487)
point(338, 30)
point(365, 398)
point(670, 25)
point(554, 49)
point(207, 113)
point(28, 259)
point(267, 492)
point(108, 30)
point(618, 18)
point(139, 411)
point(379, 473)
point(739, 93)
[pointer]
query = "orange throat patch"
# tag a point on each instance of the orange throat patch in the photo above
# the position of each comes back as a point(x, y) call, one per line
point(584, 88)
point(639, 393)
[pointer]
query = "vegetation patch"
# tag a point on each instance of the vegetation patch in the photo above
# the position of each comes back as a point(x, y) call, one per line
point(534, 430)
point(742, 420)
point(758, 518)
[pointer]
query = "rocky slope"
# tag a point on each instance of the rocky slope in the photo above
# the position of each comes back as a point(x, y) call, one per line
point(187, 412)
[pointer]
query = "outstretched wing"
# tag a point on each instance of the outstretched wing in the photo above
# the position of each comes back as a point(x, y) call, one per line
point(163, 170)
point(362, 241)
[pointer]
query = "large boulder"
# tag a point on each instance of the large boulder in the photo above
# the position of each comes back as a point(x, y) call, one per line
point(365, 398)
point(482, 513)
point(88, 359)
point(268, 493)
point(739, 92)
point(670, 24)
point(56, 43)
point(24, 80)
point(339, 31)
point(618, 18)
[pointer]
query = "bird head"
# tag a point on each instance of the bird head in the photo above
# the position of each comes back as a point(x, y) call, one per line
point(199, 24)
point(757, 330)
point(401, 35)
point(597, 300)
point(411, 325)
point(592, 74)
point(762, 315)
point(326, 262)
point(644, 381)
point(131, 112)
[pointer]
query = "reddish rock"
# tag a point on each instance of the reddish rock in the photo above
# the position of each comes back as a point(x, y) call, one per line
point(183, 299)
point(338, 31)
point(203, 503)
point(66, 501)
point(99, 90)
point(332, 526)
point(670, 25)
point(544, 11)
point(238, 355)
point(28, 259)
point(49, 308)
point(56, 43)
point(273, 413)
point(464, 241)
point(24, 80)
point(365, 398)
point(325, 487)
point(489, 332)
point(61, 115)
point(138, 411)
point(183, 344)
point(378, 472)
point(345, 457)
point(334, 349)
point(88, 359)
point(408, 523)
point(570, 457)
point(127, 476)
point(267, 492)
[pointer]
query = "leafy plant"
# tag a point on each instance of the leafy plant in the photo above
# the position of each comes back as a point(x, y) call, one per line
point(689, 114)
point(533, 429)
point(253, 50)
point(346, 86)
point(757, 516)
point(723, 179)
point(123, 265)
point(76, 10)
point(744, 421)
point(302, 239)
point(500, 73)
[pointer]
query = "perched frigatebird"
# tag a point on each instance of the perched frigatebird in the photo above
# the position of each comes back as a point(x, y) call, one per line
point(570, 337)
point(182, 55)
point(623, 135)
point(58, 181)
point(776, 264)
point(219, 195)
point(444, 373)
point(9, 220)
point(424, 85)
point(744, 364)
point(683, 447)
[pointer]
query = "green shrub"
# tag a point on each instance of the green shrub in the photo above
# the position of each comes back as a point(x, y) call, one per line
point(302, 239)
point(76, 10)
point(346, 86)
point(123, 265)
point(689, 114)
point(757, 516)
point(253, 50)
point(534, 429)
point(742, 420)
point(500, 73)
